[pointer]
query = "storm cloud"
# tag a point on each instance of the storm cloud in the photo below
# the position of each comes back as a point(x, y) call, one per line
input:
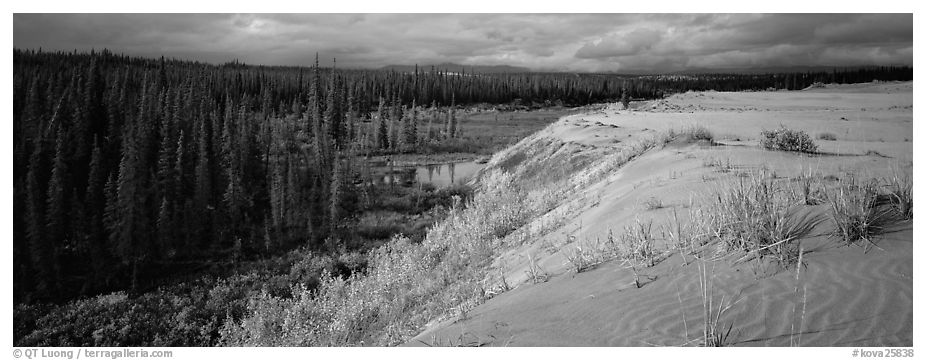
point(561, 42)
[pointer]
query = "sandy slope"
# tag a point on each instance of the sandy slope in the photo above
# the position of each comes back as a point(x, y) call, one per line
point(852, 297)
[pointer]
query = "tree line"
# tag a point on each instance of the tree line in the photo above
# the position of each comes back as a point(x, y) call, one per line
point(128, 168)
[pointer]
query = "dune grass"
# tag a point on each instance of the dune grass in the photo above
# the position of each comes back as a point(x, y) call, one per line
point(856, 211)
point(715, 331)
point(754, 214)
point(584, 257)
point(806, 189)
point(635, 247)
point(534, 272)
point(900, 191)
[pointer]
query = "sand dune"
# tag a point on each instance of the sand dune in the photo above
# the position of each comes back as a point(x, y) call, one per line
point(845, 296)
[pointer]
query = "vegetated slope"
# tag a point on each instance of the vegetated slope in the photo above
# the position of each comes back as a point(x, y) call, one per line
point(574, 273)
point(407, 286)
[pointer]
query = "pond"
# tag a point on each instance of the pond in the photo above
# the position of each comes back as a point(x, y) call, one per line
point(439, 175)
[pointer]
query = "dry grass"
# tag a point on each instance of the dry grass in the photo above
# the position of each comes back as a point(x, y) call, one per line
point(807, 189)
point(754, 215)
point(900, 191)
point(715, 331)
point(855, 210)
point(534, 272)
point(584, 257)
point(637, 244)
point(463, 340)
point(635, 247)
point(803, 302)
point(679, 236)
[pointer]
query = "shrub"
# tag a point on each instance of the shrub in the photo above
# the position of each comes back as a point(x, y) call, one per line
point(405, 285)
point(158, 318)
point(652, 203)
point(699, 133)
point(785, 139)
point(379, 224)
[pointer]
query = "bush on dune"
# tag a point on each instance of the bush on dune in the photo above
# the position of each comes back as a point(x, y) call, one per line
point(785, 139)
point(699, 133)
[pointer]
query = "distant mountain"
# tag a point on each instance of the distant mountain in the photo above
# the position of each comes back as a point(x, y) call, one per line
point(769, 70)
point(457, 68)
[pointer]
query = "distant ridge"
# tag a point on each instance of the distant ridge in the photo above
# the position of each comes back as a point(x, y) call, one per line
point(775, 69)
point(458, 68)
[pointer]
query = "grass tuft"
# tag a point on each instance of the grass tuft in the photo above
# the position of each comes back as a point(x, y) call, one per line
point(754, 214)
point(715, 332)
point(535, 273)
point(855, 210)
point(584, 258)
point(900, 191)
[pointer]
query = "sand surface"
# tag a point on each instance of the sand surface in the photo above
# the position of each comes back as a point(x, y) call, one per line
point(846, 296)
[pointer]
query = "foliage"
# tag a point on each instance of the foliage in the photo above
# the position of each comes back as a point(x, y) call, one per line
point(699, 133)
point(405, 285)
point(785, 139)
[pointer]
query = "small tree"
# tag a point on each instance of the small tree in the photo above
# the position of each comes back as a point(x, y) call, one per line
point(625, 96)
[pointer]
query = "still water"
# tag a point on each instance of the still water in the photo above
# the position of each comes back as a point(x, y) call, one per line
point(439, 175)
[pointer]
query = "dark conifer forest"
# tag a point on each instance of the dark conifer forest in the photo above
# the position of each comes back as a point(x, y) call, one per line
point(129, 172)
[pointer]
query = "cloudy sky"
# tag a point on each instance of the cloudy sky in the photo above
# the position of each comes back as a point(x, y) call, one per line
point(641, 43)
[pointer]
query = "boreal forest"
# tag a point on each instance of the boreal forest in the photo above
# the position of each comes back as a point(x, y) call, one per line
point(190, 187)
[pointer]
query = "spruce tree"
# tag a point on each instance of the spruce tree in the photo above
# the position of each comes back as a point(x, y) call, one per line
point(335, 211)
point(411, 127)
point(333, 116)
point(56, 204)
point(382, 129)
point(625, 96)
point(96, 203)
point(40, 249)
